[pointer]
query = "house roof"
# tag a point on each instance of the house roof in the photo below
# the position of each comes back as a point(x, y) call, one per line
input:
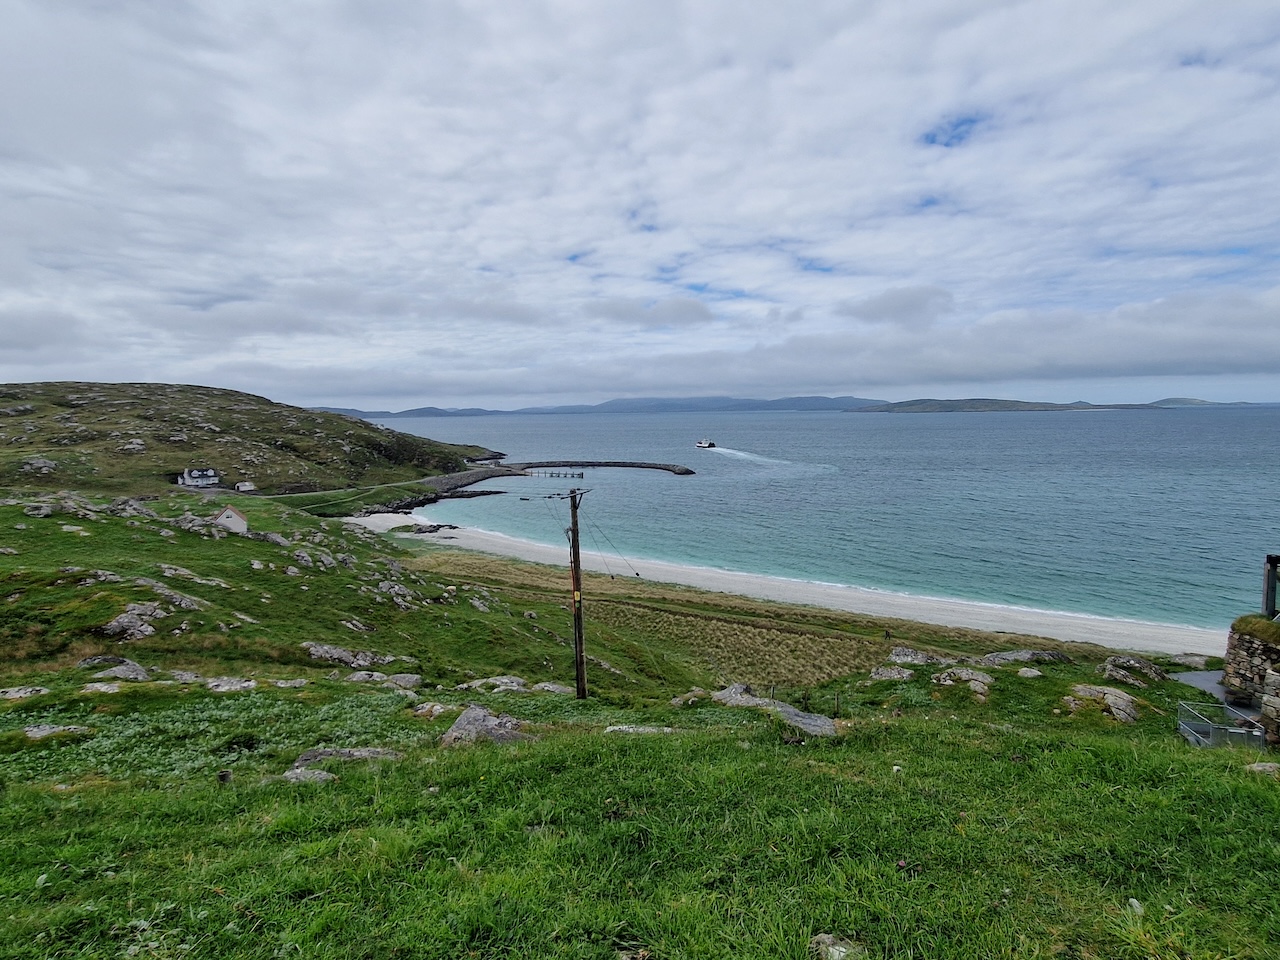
point(231, 510)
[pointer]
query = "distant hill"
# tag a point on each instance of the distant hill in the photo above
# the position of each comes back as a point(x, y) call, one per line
point(137, 437)
point(633, 405)
point(983, 405)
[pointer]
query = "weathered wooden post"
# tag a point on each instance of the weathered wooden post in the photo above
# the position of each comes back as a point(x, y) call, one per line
point(1269, 585)
point(575, 562)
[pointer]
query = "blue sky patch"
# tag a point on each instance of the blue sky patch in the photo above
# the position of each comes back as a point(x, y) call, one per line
point(953, 131)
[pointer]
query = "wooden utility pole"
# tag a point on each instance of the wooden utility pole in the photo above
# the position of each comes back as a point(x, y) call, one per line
point(575, 565)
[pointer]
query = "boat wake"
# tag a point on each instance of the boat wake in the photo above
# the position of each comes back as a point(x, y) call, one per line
point(745, 455)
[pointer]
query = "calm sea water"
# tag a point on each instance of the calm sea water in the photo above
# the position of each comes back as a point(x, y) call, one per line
point(1160, 515)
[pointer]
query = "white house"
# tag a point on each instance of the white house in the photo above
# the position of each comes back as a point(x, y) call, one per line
point(199, 477)
point(231, 519)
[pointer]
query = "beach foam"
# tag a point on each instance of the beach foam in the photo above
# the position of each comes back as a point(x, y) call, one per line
point(1119, 634)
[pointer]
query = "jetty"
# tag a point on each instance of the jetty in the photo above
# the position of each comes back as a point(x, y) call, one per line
point(449, 482)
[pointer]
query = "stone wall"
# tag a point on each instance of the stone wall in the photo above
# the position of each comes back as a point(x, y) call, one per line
point(1247, 663)
point(1271, 706)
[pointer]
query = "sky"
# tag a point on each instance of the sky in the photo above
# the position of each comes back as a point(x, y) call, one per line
point(397, 204)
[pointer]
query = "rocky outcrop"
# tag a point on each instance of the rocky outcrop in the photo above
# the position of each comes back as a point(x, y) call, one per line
point(41, 730)
point(128, 670)
point(21, 693)
point(356, 659)
point(315, 755)
point(1006, 657)
point(977, 681)
point(477, 723)
point(1116, 703)
point(503, 684)
point(891, 673)
point(917, 658)
point(135, 622)
point(740, 695)
point(229, 684)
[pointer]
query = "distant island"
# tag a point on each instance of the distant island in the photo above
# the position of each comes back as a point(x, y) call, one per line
point(740, 405)
point(634, 405)
point(984, 405)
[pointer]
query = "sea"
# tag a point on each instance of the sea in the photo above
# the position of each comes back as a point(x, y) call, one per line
point(1157, 515)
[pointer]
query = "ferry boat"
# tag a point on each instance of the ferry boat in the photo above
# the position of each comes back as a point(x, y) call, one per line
point(704, 444)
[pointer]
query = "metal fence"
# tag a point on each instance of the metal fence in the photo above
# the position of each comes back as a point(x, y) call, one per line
point(1217, 725)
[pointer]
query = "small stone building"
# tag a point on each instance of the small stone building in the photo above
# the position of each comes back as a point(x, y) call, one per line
point(231, 519)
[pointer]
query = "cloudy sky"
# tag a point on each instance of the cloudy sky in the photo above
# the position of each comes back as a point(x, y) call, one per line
point(392, 204)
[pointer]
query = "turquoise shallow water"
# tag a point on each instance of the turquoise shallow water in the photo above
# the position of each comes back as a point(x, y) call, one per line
point(1159, 515)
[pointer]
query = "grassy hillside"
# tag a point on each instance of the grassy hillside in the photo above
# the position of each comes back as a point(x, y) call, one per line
point(184, 813)
point(137, 437)
point(932, 825)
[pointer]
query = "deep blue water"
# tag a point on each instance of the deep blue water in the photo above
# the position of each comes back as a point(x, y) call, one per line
point(1160, 515)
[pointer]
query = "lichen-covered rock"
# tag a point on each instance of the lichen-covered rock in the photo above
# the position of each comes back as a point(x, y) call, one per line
point(364, 676)
point(495, 684)
point(1109, 671)
point(41, 730)
point(549, 687)
point(229, 684)
point(891, 673)
point(977, 681)
point(826, 946)
point(1117, 703)
point(477, 723)
point(632, 728)
point(356, 659)
point(690, 698)
point(1135, 665)
point(740, 695)
point(135, 622)
point(432, 710)
point(128, 670)
point(317, 754)
point(1020, 656)
point(1029, 673)
point(917, 657)
point(409, 681)
point(308, 775)
point(288, 684)
point(100, 688)
point(101, 661)
point(21, 693)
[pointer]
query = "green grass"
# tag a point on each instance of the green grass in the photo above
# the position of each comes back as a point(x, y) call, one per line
point(1256, 625)
point(1000, 843)
point(1009, 829)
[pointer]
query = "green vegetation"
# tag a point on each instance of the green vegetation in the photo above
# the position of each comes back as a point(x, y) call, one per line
point(156, 823)
point(136, 438)
point(1258, 626)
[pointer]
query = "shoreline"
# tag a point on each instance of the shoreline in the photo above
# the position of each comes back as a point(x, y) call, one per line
point(1081, 628)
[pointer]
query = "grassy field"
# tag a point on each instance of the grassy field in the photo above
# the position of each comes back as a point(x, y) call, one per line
point(932, 825)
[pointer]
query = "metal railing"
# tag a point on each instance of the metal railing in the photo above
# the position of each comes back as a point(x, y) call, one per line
point(1217, 725)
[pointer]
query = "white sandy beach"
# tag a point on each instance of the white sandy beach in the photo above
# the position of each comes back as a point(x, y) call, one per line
point(1120, 634)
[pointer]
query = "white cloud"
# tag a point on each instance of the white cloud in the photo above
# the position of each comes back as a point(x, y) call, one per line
point(311, 200)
